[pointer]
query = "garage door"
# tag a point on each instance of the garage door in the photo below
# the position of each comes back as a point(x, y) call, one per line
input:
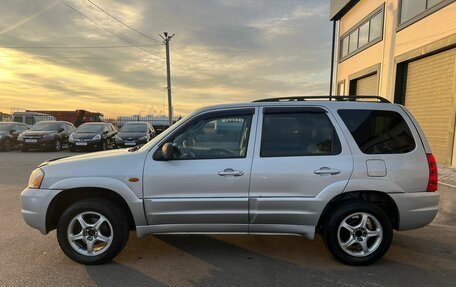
point(429, 95)
point(367, 86)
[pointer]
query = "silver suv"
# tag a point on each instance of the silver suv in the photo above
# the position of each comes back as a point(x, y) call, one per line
point(353, 170)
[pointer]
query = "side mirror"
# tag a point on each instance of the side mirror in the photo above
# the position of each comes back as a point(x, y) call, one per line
point(61, 130)
point(12, 132)
point(165, 153)
point(105, 132)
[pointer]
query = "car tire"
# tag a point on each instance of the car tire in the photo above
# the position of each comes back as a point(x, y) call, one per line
point(72, 149)
point(24, 149)
point(104, 145)
point(114, 230)
point(57, 145)
point(7, 145)
point(357, 232)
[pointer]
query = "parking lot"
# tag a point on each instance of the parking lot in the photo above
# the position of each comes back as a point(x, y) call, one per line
point(424, 257)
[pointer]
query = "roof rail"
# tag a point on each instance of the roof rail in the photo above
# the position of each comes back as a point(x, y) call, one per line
point(330, 98)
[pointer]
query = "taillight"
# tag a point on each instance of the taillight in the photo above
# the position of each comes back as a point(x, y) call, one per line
point(433, 175)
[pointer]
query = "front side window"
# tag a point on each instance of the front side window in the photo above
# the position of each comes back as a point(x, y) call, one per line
point(214, 138)
point(304, 133)
point(378, 132)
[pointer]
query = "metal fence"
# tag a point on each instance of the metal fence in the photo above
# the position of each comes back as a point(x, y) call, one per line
point(160, 123)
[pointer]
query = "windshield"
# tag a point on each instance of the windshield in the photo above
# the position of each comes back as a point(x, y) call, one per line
point(90, 129)
point(5, 127)
point(134, 128)
point(46, 127)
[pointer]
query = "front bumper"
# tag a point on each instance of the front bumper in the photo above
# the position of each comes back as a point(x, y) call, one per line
point(416, 209)
point(40, 144)
point(34, 206)
point(88, 145)
point(124, 143)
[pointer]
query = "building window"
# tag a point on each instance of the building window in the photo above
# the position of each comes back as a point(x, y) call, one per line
point(363, 35)
point(414, 10)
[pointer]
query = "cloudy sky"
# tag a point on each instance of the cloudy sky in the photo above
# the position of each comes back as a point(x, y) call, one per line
point(223, 51)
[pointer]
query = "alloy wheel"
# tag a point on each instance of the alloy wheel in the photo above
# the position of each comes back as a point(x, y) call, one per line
point(90, 233)
point(360, 234)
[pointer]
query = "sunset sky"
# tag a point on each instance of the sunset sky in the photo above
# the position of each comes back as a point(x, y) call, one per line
point(223, 51)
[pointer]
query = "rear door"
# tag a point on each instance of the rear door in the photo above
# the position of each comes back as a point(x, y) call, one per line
point(300, 160)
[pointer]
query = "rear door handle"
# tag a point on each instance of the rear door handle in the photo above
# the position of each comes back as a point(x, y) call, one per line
point(231, 172)
point(327, 171)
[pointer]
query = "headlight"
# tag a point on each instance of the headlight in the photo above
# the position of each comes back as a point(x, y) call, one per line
point(1, 136)
point(144, 138)
point(70, 138)
point(97, 137)
point(118, 138)
point(36, 178)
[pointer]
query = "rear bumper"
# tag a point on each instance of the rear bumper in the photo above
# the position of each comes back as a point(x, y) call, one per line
point(416, 209)
point(34, 205)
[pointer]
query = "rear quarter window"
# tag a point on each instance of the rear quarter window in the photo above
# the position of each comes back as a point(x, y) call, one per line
point(378, 131)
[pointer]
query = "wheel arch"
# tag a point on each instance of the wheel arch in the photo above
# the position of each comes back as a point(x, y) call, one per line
point(69, 196)
point(383, 199)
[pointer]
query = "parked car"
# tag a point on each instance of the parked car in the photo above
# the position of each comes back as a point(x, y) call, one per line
point(9, 133)
point(93, 136)
point(134, 133)
point(31, 118)
point(46, 135)
point(352, 170)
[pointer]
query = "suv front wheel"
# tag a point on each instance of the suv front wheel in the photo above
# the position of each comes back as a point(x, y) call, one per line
point(358, 232)
point(92, 231)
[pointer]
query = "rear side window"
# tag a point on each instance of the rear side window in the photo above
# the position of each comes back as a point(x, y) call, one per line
point(378, 132)
point(298, 134)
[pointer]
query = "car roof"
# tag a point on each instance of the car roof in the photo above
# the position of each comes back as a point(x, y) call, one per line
point(335, 104)
point(13, 123)
point(59, 122)
point(95, 123)
point(136, 123)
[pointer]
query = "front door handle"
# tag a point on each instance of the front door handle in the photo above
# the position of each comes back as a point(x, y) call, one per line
point(327, 171)
point(231, 172)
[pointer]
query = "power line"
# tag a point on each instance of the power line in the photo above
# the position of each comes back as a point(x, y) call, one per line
point(107, 30)
point(126, 25)
point(75, 47)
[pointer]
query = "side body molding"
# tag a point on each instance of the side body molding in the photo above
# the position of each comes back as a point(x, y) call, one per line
point(134, 203)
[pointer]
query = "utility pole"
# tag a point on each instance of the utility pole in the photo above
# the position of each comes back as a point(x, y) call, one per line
point(166, 40)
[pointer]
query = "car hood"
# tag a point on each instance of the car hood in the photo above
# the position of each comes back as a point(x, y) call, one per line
point(105, 169)
point(131, 136)
point(84, 136)
point(37, 133)
point(114, 164)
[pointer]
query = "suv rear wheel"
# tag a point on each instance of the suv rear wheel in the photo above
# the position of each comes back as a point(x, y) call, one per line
point(92, 231)
point(358, 232)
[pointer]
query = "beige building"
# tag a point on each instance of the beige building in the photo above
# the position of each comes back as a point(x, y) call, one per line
point(405, 51)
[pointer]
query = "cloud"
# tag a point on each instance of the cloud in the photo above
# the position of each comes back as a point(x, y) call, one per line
point(223, 51)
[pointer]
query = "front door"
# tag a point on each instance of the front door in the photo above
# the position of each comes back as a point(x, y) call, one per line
point(204, 188)
point(300, 163)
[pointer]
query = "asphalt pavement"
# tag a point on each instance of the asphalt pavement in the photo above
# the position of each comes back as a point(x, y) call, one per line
point(423, 257)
